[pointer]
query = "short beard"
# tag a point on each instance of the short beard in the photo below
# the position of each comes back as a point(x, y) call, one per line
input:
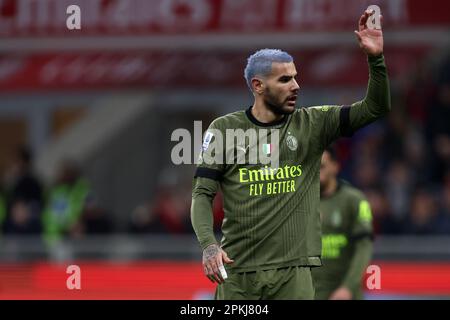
point(271, 102)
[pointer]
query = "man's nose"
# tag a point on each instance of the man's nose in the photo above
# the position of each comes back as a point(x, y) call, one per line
point(295, 86)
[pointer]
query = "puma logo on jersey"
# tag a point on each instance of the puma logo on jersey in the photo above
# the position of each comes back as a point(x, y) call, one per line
point(241, 148)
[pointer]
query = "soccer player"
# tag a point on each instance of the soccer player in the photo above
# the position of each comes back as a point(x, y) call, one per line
point(346, 235)
point(271, 228)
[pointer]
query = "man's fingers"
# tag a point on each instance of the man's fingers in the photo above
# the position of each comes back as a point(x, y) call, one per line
point(363, 19)
point(211, 274)
point(215, 271)
point(208, 269)
point(361, 23)
point(216, 279)
point(226, 259)
point(368, 13)
point(205, 270)
point(213, 278)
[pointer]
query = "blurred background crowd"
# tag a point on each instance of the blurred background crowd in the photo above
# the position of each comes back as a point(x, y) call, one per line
point(86, 116)
point(401, 163)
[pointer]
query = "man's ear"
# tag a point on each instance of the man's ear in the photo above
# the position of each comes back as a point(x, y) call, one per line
point(257, 85)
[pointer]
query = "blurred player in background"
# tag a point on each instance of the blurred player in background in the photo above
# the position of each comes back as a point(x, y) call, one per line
point(23, 199)
point(346, 235)
point(271, 225)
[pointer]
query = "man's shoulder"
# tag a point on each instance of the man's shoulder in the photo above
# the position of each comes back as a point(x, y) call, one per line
point(351, 192)
point(316, 113)
point(229, 120)
point(319, 109)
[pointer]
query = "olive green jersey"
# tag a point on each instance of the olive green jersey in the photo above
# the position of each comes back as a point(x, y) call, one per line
point(271, 213)
point(346, 241)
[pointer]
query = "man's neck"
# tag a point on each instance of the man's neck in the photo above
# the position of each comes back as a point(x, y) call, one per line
point(263, 114)
point(329, 189)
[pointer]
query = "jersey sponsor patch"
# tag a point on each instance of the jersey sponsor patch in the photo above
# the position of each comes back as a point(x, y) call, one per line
point(332, 244)
point(242, 148)
point(207, 140)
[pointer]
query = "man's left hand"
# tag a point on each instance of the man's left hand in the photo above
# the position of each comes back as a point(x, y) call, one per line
point(370, 40)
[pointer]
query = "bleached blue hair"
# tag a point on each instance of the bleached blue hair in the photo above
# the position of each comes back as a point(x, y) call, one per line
point(260, 63)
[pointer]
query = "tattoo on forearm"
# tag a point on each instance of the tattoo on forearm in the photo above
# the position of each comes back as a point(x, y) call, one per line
point(210, 252)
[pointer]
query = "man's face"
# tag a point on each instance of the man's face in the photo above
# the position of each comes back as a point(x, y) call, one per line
point(328, 169)
point(281, 88)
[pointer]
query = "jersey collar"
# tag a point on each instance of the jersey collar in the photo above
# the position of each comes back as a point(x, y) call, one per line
point(262, 124)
